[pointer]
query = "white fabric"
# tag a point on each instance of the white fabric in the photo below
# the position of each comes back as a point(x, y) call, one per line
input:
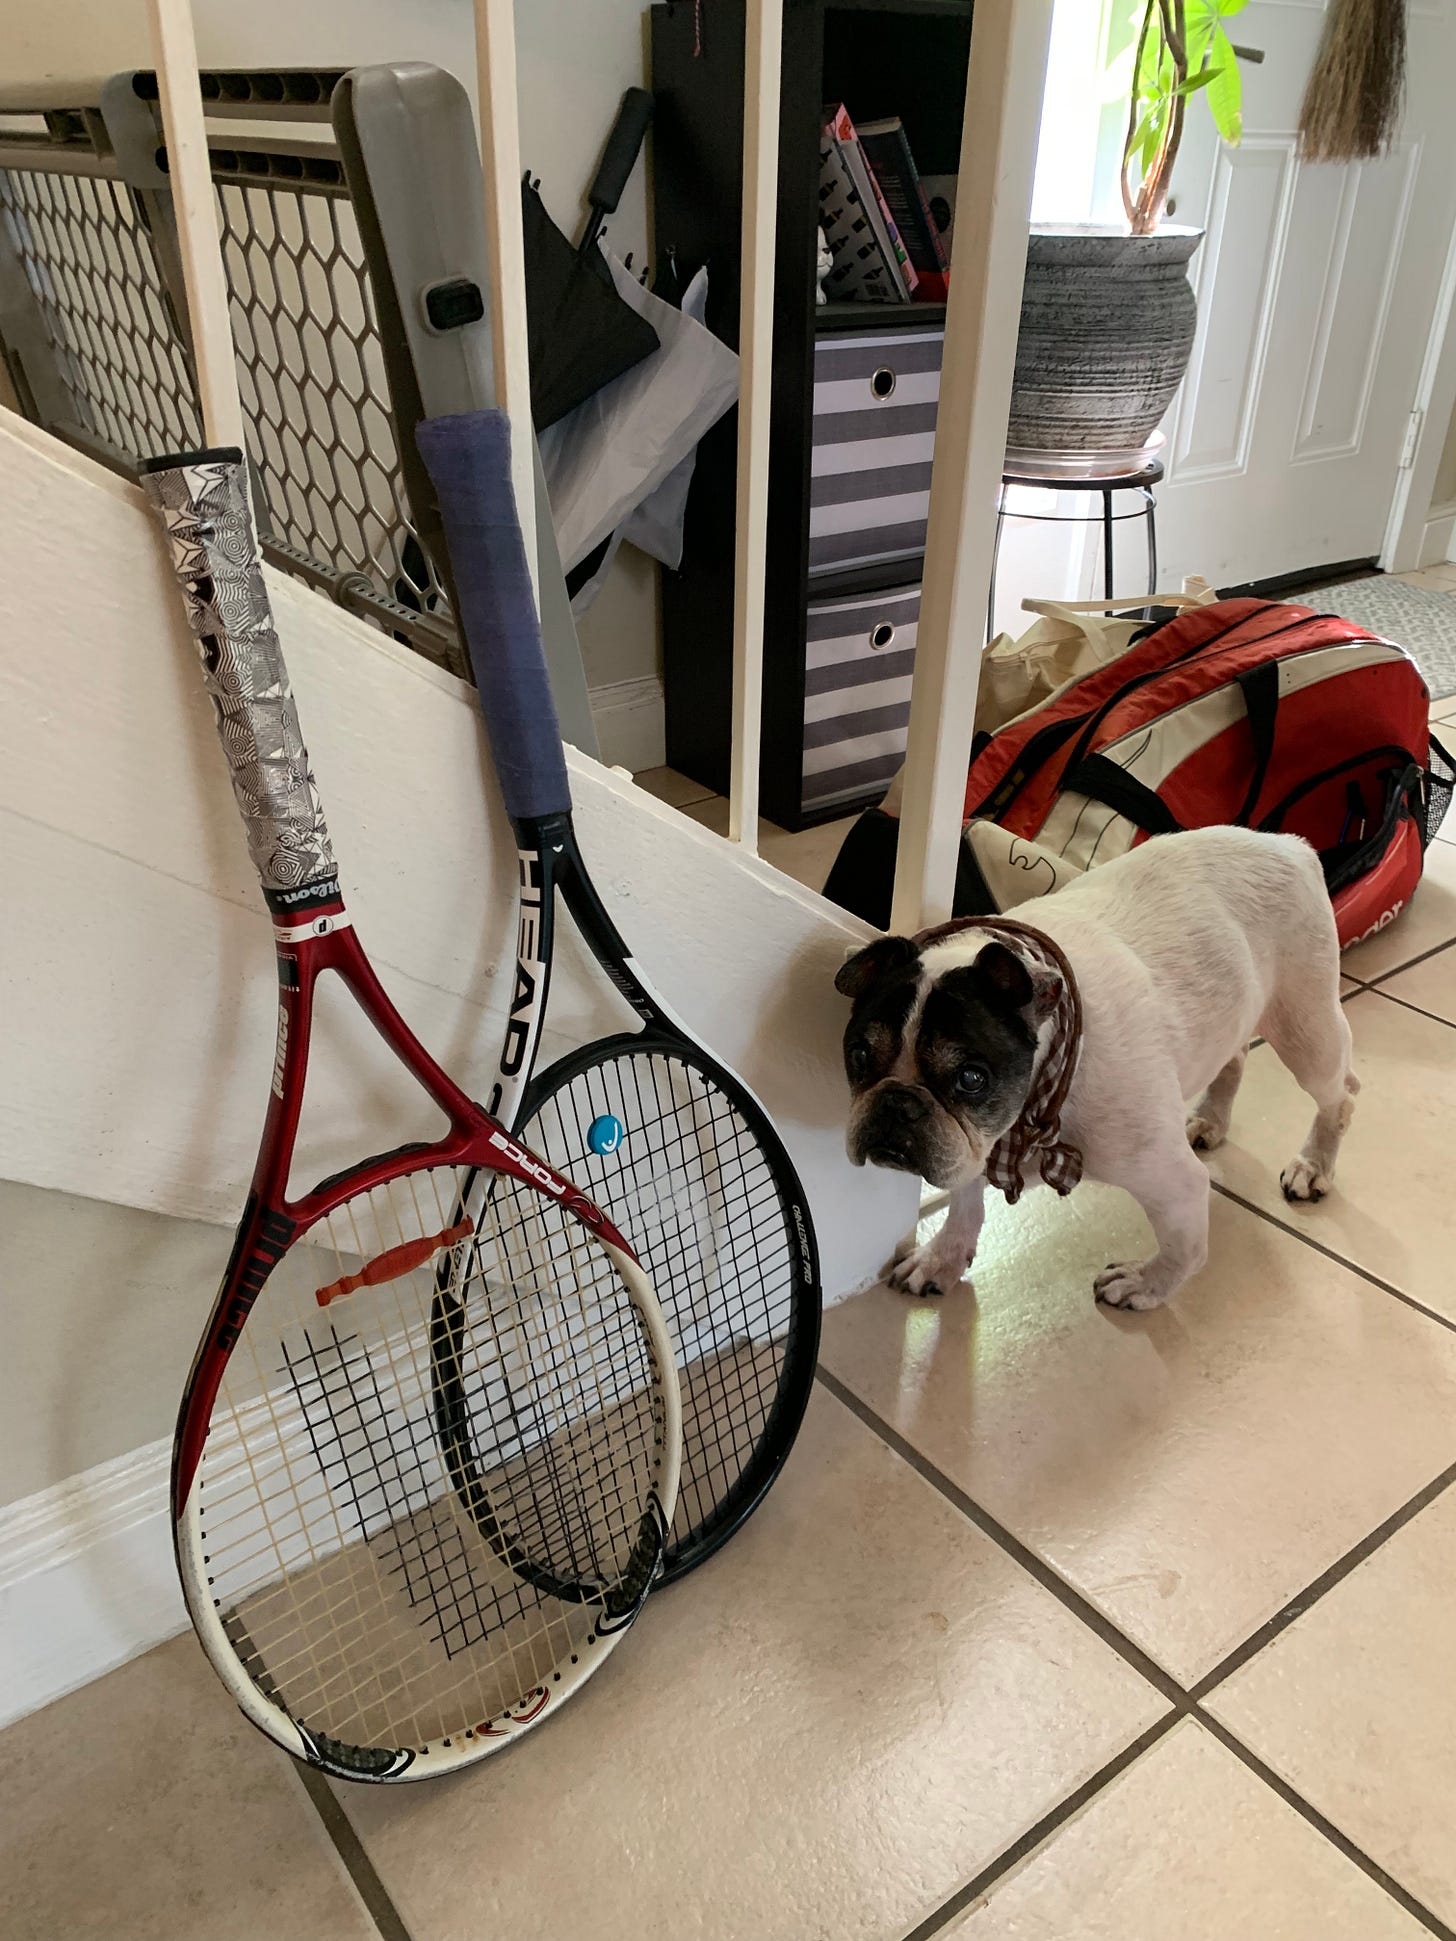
point(624, 442)
point(1015, 868)
point(1069, 639)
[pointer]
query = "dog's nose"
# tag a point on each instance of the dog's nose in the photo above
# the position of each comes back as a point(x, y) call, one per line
point(902, 1106)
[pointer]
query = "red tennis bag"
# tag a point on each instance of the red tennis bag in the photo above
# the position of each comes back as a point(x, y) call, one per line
point(1246, 711)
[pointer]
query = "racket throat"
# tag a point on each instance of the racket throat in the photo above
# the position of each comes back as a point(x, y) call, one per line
point(540, 844)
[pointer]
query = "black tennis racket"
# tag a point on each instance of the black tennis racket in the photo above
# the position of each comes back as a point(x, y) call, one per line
point(673, 1146)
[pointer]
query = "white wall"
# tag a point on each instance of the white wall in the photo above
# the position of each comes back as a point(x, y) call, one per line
point(136, 965)
point(98, 1304)
point(574, 61)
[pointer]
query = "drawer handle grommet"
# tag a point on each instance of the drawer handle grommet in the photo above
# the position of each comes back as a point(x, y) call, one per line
point(882, 383)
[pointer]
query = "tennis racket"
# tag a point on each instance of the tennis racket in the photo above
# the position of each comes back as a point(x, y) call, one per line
point(426, 1460)
point(670, 1143)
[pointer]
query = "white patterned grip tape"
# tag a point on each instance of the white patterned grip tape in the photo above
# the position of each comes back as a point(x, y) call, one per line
point(203, 502)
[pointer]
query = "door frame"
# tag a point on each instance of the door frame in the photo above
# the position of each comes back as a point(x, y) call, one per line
point(1411, 532)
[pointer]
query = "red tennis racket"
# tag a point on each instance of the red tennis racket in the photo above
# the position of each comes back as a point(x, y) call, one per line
point(427, 1458)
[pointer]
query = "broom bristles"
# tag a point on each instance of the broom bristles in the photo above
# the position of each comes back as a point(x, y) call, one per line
point(1352, 105)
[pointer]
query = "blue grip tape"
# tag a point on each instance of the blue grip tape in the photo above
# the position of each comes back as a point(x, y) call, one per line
point(468, 456)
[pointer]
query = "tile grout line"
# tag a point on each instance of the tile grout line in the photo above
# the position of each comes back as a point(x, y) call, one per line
point(1042, 1830)
point(1374, 983)
point(352, 1855)
point(997, 1869)
point(1304, 1600)
point(1081, 1607)
point(1406, 1005)
point(1321, 1247)
point(1342, 1843)
point(1183, 1702)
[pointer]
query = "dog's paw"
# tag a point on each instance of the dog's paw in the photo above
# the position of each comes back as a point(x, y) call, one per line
point(1302, 1179)
point(1205, 1134)
point(930, 1269)
point(1126, 1284)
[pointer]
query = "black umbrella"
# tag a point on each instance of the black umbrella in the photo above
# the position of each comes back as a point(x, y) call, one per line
point(581, 334)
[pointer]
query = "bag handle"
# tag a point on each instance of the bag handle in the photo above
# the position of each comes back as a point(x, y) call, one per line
point(1260, 689)
point(1106, 782)
point(1070, 609)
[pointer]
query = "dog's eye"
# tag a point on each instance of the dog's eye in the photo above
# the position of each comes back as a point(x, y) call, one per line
point(970, 1081)
point(857, 1058)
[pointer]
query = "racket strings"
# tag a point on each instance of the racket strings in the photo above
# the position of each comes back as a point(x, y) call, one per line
point(691, 1185)
point(360, 1589)
point(728, 1394)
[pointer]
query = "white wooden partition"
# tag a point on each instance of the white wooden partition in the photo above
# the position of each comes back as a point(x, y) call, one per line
point(500, 156)
point(762, 57)
point(998, 156)
point(174, 48)
point(993, 206)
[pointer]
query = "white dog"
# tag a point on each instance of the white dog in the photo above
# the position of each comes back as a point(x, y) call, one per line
point(965, 1055)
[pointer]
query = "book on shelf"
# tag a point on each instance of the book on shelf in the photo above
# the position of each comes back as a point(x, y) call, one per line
point(886, 148)
point(859, 270)
point(871, 262)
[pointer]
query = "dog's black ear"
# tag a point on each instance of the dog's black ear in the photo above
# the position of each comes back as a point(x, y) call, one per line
point(876, 960)
point(1012, 983)
point(1005, 978)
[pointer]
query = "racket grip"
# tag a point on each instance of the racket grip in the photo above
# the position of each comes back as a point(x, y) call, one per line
point(468, 456)
point(203, 501)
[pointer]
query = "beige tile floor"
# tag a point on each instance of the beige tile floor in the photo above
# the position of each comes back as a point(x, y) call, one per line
point(1060, 1625)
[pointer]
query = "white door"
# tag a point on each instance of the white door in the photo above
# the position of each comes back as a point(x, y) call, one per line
point(1317, 290)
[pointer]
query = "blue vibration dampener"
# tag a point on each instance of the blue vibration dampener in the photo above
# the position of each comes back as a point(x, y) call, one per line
point(605, 1134)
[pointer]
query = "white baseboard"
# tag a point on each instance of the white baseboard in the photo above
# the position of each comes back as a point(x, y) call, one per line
point(87, 1579)
point(630, 724)
point(1438, 541)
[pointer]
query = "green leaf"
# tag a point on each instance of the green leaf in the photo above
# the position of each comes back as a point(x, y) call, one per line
point(1198, 35)
point(1150, 138)
point(1203, 79)
point(1155, 53)
point(1226, 92)
point(1142, 144)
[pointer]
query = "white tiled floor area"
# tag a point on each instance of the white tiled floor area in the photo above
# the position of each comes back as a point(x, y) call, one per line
point(1061, 1625)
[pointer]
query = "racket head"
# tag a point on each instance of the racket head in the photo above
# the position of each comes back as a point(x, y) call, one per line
point(356, 1609)
point(718, 1218)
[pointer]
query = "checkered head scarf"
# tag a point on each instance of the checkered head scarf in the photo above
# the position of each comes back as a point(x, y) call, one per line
point(1036, 1132)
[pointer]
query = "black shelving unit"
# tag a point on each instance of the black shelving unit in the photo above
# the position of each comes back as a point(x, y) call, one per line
point(880, 57)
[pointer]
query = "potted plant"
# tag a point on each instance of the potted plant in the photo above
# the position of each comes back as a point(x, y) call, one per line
point(1107, 314)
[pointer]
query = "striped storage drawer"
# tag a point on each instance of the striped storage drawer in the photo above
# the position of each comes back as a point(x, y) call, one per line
point(875, 399)
point(858, 662)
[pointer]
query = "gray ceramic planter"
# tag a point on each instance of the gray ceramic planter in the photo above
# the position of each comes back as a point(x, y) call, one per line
point(1107, 323)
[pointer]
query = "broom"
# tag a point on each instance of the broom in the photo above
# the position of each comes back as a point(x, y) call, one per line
point(1352, 105)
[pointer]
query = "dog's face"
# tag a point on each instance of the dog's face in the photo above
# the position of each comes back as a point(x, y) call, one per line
point(939, 1063)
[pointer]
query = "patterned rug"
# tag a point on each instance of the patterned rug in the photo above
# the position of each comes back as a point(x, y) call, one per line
point(1421, 621)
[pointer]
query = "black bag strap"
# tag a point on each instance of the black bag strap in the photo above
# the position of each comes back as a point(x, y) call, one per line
point(1033, 758)
point(1105, 782)
point(1260, 689)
